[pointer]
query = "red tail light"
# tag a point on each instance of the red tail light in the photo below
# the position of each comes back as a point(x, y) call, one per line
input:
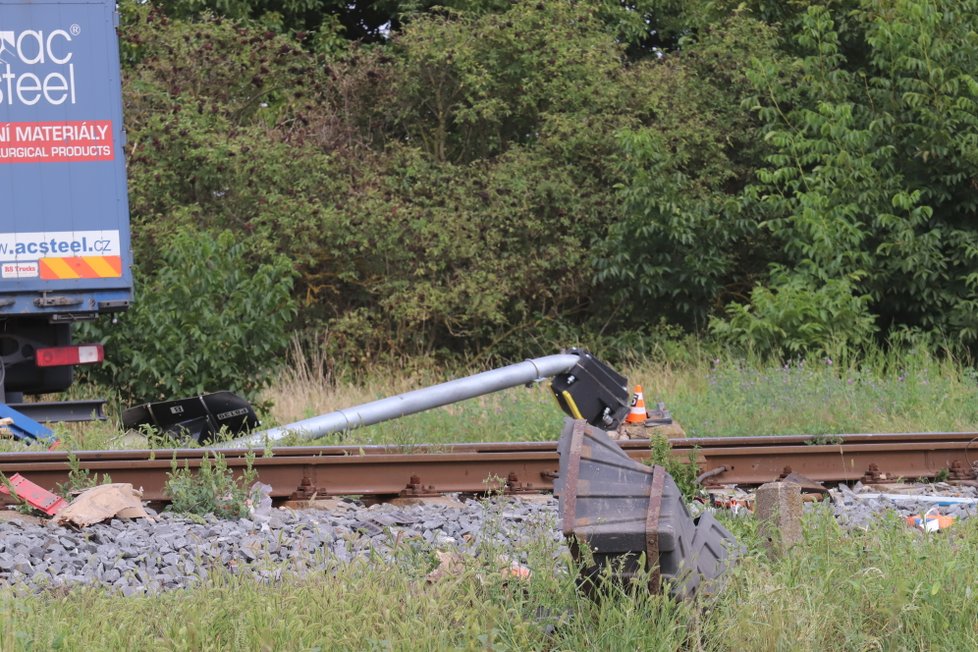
point(63, 356)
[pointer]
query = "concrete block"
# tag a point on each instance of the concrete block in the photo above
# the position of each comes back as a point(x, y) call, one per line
point(778, 508)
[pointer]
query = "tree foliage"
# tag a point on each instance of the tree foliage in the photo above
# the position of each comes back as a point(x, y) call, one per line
point(478, 177)
point(207, 320)
point(463, 98)
point(683, 242)
point(408, 233)
point(871, 180)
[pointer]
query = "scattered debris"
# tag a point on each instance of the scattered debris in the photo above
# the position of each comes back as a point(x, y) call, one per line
point(731, 497)
point(200, 418)
point(930, 522)
point(21, 426)
point(660, 416)
point(33, 494)
point(511, 570)
point(102, 503)
point(517, 570)
point(649, 429)
point(450, 564)
point(644, 424)
point(858, 506)
point(936, 499)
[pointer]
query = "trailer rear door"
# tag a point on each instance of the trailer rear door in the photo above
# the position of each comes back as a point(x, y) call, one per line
point(64, 215)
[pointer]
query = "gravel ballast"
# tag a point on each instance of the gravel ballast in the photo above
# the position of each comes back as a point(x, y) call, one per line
point(860, 506)
point(139, 556)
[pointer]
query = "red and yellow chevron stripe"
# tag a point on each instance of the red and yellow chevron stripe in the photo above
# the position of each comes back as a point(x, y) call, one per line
point(53, 269)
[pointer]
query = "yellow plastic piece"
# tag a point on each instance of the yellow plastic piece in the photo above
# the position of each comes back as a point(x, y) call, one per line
point(571, 404)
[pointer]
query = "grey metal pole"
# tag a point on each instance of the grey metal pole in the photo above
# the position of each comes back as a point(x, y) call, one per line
point(415, 401)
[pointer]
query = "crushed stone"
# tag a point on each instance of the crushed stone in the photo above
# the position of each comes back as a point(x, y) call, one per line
point(137, 557)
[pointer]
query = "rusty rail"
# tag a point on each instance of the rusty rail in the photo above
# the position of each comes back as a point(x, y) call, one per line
point(303, 472)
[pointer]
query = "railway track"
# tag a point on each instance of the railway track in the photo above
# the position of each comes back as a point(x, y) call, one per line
point(302, 473)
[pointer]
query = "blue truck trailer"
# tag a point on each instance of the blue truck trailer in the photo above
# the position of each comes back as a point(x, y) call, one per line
point(65, 252)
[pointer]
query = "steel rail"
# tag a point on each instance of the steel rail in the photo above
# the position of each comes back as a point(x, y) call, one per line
point(684, 444)
point(303, 476)
point(303, 472)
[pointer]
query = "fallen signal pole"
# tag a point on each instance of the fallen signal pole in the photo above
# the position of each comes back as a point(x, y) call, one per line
point(584, 387)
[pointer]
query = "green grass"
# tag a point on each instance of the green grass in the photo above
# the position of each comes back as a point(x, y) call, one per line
point(891, 588)
point(912, 392)
point(711, 397)
point(908, 392)
point(517, 414)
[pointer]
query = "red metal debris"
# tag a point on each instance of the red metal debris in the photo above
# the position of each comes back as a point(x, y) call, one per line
point(35, 495)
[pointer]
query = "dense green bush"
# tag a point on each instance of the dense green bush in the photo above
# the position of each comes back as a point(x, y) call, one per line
point(870, 187)
point(683, 244)
point(408, 234)
point(796, 315)
point(486, 178)
point(208, 319)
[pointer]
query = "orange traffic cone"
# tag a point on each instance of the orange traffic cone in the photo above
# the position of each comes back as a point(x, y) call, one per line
point(637, 414)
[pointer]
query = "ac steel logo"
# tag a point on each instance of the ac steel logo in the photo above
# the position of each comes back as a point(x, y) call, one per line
point(36, 67)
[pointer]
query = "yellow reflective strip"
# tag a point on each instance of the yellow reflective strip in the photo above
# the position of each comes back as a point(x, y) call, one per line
point(60, 268)
point(100, 266)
